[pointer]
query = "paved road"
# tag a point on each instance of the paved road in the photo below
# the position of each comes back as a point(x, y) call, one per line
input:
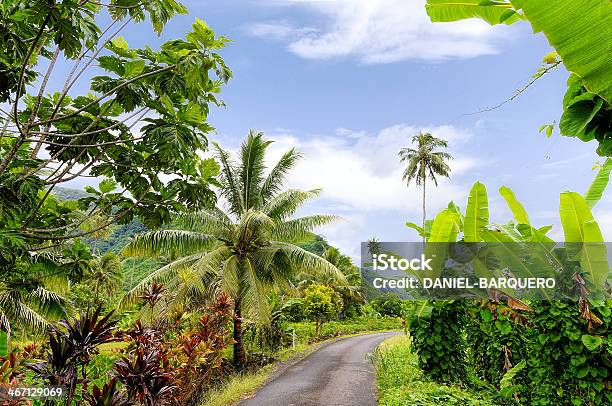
point(338, 374)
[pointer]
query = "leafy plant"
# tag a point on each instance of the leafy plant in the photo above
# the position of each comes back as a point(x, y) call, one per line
point(388, 304)
point(51, 138)
point(71, 346)
point(563, 368)
point(439, 340)
point(321, 304)
point(145, 375)
point(582, 39)
point(109, 395)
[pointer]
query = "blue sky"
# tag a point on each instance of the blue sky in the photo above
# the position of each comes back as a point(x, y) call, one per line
point(349, 82)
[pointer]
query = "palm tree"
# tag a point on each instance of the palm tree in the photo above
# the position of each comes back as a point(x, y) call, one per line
point(425, 162)
point(245, 247)
point(105, 275)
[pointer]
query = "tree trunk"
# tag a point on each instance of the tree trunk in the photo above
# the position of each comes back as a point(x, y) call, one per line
point(239, 354)
point(424, 213)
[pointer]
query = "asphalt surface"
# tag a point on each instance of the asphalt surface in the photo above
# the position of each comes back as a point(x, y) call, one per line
point(338, 374)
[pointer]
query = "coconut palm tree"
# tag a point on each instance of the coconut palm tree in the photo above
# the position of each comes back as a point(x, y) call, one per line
point(425, 161)
point(243, 248)
point(105, 275)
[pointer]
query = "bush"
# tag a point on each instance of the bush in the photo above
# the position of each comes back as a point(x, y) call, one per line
point(440, 342)
point(321, 303)
point(498, 340)
point(388, 304)
point(293, 310)
point(571, 353)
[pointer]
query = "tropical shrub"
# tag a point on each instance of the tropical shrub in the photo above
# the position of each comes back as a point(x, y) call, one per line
point(544, 352)
point(71, 348)
point(321, 304)
point(388, 304)
point(438, 333)
point(498, 339)
point(293, 310)
point(570, 353)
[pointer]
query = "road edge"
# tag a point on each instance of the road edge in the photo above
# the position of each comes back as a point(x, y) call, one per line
point(275, 369)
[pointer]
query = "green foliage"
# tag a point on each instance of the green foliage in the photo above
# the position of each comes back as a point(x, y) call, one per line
point(315, 244)
point(4, 350)
point(476, 213)
point(440, 342)
point(599, 184)
point(569, 356)
point(349, 288)
point(493, 12)
point(246, 250)
point(321, 304)
point(507, 388)
point(49, 137)
point(497, 341)
point(388, 304)
point(580, 32)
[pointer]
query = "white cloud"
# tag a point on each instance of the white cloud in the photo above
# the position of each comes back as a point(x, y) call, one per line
point(364, 173)
point(380, 31)
point(361, 178)
point(279, 30)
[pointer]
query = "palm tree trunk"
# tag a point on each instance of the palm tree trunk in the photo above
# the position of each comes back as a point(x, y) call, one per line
point(424, 212)
point(239, 354)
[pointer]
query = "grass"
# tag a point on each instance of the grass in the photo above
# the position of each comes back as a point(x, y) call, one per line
point(236, 387)
point(400, 381)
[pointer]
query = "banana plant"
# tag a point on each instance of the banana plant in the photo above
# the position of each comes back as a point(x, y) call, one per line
point(521, 246)
point(581, 34)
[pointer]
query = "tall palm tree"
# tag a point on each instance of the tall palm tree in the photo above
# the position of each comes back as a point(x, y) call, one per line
point(105, 275)
point(245, 247)
point(425, 161)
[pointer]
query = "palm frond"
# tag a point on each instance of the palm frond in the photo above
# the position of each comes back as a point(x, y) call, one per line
point(253, 223)
point(253, 294)
point(210, 221)
point(162, 275)
point(302, 260)
point(275, 179)
point(287, 203)
point(15, 311)
point(230, 188)
point(297, 229)
point(167, 242)
point(251, 171)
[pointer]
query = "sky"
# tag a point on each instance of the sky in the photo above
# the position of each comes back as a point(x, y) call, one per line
point(348, 83)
